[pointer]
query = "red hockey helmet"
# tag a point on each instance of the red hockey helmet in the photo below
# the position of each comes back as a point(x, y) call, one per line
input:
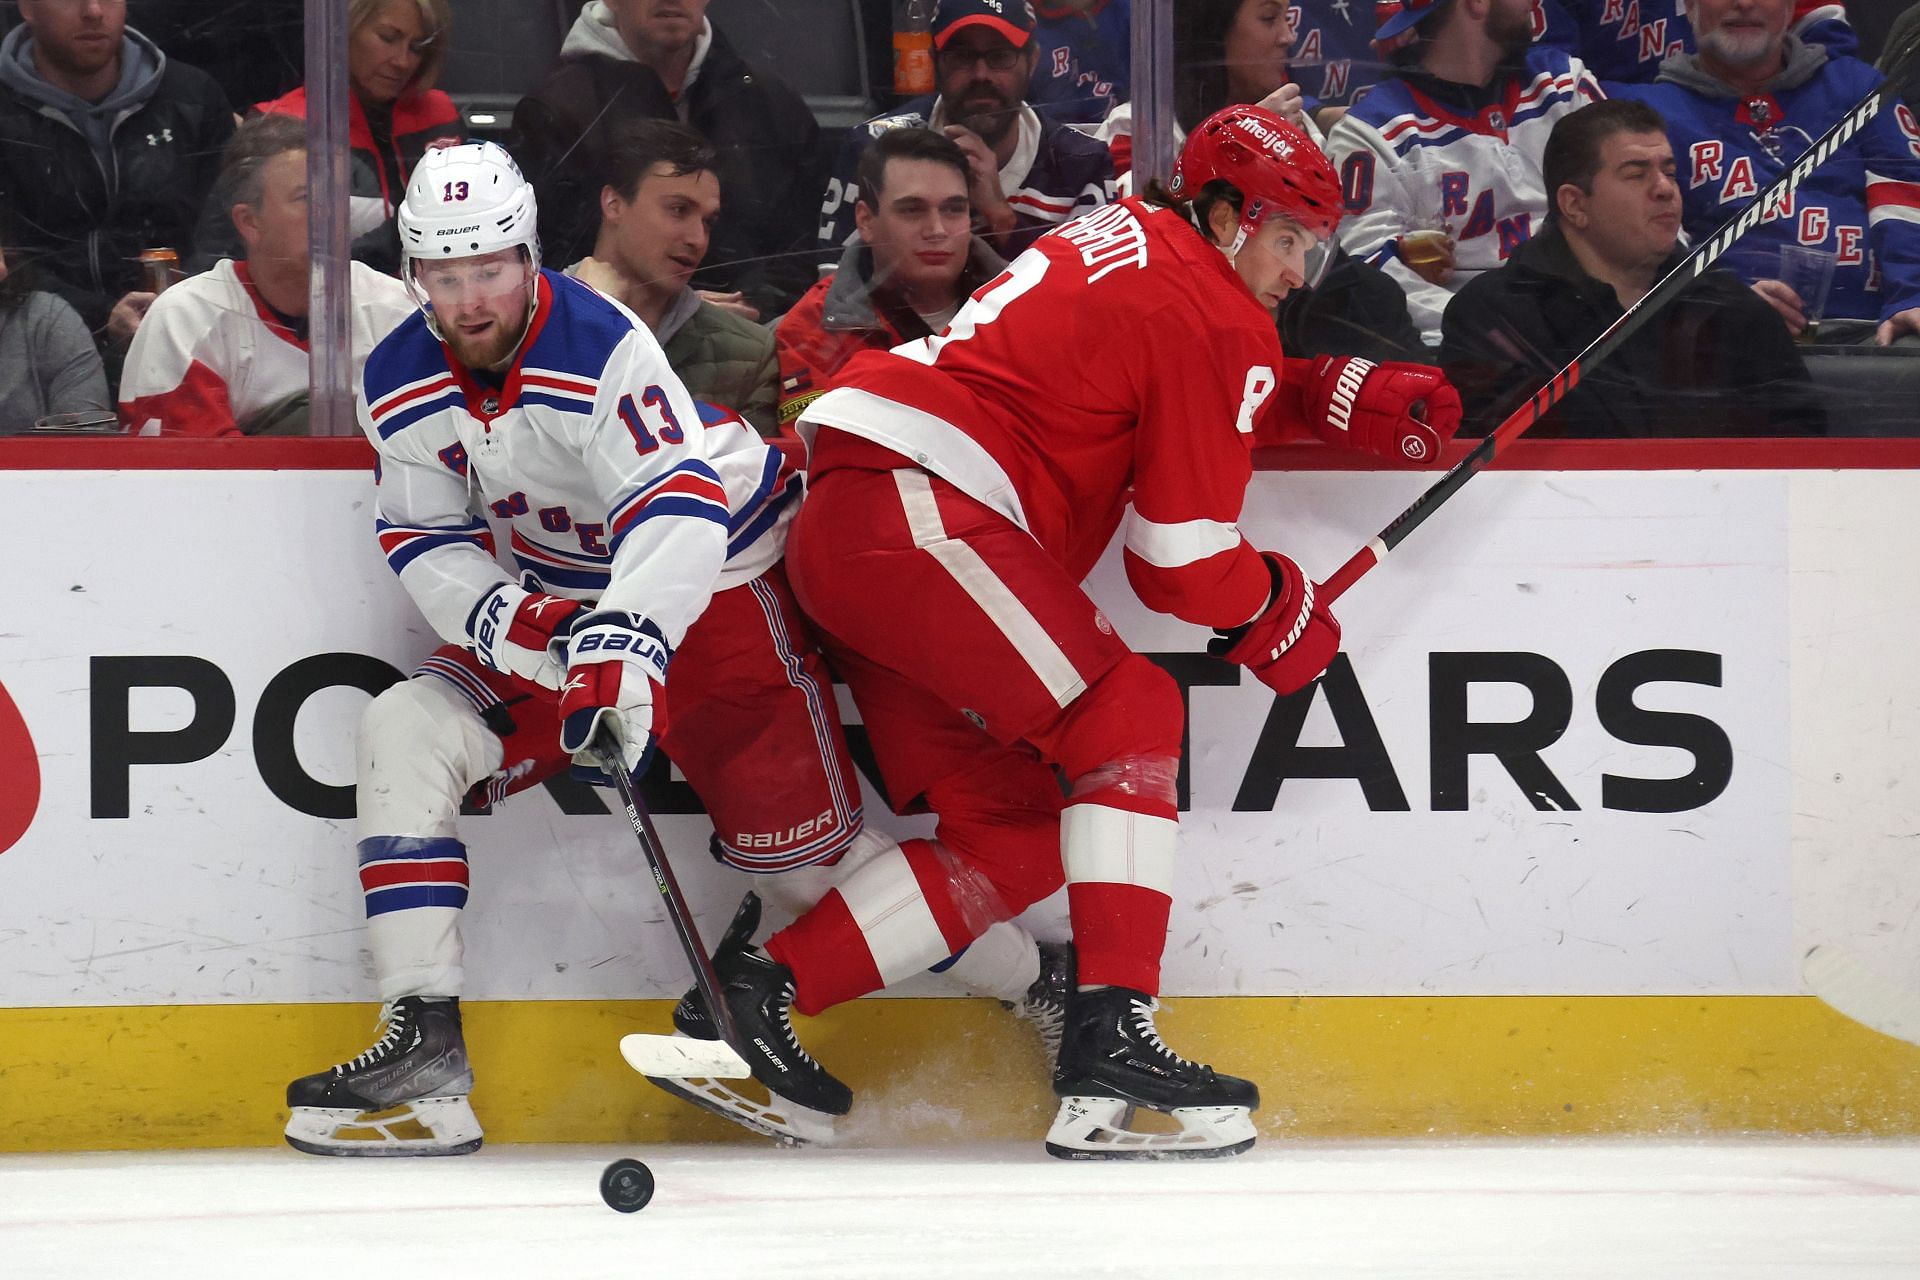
point(1277, 169)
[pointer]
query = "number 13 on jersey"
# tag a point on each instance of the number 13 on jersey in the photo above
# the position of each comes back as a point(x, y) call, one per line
point(653, 408)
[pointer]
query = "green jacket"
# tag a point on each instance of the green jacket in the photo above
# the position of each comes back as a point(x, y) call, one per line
point(723, 358)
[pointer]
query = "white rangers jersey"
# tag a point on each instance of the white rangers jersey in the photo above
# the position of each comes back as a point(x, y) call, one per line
point(211, 356)
point(610, 481)
point(1408, 161)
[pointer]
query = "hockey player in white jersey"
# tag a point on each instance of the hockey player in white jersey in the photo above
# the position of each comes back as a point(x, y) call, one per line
point(650, 533)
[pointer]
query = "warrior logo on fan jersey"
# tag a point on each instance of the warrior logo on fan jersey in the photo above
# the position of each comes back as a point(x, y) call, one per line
point(20, 765)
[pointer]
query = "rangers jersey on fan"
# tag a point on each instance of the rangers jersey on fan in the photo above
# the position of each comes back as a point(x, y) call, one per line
point(1187, 363)
point(1084, 66)
point(1863, 204)
point(1470, 164)
point(1333, 59)
point(1056, 173)
point(1627, 40)
point(211, 358)
point(610, 484)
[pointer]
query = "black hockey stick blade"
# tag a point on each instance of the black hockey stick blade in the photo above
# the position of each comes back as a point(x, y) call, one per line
point(1624, 326)
point(674, 1055)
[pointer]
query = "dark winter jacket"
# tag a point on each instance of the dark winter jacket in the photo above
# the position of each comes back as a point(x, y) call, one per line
point(1357, 310)
point(90, 185)
point(1507, 331)
point(385, 146)
point(764, 133)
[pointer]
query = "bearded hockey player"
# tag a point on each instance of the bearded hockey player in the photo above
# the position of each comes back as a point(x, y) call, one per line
point(650, 535)
point(961, 487)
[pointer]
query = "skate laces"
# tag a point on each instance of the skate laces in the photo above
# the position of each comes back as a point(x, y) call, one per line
point(787, 993)
point(395, 1019)
point(1142, 1015)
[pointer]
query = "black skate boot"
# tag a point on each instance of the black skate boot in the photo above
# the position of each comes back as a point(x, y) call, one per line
point(1045, 1004)
point(405, 1096)
point(1112, 1060)
point(803, 1097)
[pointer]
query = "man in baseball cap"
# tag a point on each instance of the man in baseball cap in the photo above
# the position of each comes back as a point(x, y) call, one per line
point(1012, 19)
point(1026, 173)
point(1395, 20)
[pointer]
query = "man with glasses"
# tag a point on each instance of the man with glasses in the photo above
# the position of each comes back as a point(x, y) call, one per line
point(1026, 174)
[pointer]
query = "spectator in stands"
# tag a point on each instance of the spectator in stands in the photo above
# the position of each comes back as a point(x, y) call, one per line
point(1627, 40)
point(1743, 109)
point(1711, 362)
point(107, 148)
point(658, 209)
point(912, 262)
point(395, 49)
point(1225, 51)
point(1029, 174)
point(48, 364)
point(626, 60)
point(1084, 67)
point(1440, 162)
point(225, 352)
point(1333, 55)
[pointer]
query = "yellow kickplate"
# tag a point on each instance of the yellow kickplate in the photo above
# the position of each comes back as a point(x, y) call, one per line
point(931, 1071)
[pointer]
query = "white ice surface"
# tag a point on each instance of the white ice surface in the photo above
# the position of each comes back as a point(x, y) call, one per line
point(1751, 1210)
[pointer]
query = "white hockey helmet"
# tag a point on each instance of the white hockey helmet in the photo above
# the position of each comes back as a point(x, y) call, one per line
point(464, 201)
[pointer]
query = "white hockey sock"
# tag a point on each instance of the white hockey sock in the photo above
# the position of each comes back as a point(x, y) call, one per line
point(1002, 963)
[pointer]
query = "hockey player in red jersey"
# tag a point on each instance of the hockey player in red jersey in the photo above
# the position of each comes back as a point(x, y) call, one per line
point(961, 487)
point(649, 528)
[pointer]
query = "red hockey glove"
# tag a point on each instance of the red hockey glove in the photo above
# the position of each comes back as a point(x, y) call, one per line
point(519, 632)
point(1402, 411)
point(616, 666)
point(1293, 639)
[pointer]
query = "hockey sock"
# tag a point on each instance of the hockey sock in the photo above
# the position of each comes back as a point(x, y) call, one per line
point(415, 890)
point(892, 917)
point(1117, 844)
point(1002, 963)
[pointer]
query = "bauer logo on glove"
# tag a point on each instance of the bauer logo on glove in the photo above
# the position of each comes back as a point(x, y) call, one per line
point(1394, 410)
point(616, 669)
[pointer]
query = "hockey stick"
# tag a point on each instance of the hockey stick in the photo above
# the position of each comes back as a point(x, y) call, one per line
point(675, 1056)
point(1625, 326)
point(1847, 984)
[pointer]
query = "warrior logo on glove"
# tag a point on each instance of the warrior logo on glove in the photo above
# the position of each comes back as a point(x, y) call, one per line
point(1393, 410)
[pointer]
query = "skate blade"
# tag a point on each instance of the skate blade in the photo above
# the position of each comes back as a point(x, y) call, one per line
point(1095, 1128)
point(680, 1057)
point(787, 1123)
point(424, 1127)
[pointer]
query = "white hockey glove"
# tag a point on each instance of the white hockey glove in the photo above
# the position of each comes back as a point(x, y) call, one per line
point(523, 633)
point(616, 669)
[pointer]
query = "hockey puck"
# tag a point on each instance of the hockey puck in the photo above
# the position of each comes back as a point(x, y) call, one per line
point(626, 1185)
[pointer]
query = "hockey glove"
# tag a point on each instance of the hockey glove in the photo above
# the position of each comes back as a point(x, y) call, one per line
point(1401, 411)
point(523, 633)
point(1292, 640)
point(616, 668)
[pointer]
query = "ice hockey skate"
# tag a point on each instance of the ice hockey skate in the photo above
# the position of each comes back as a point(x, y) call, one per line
point(1045, 1004)
point(1112, 1062)
point(802, 1096)
point(405, 1096)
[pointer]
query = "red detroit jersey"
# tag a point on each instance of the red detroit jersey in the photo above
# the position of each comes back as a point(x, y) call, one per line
point(1119, 359)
